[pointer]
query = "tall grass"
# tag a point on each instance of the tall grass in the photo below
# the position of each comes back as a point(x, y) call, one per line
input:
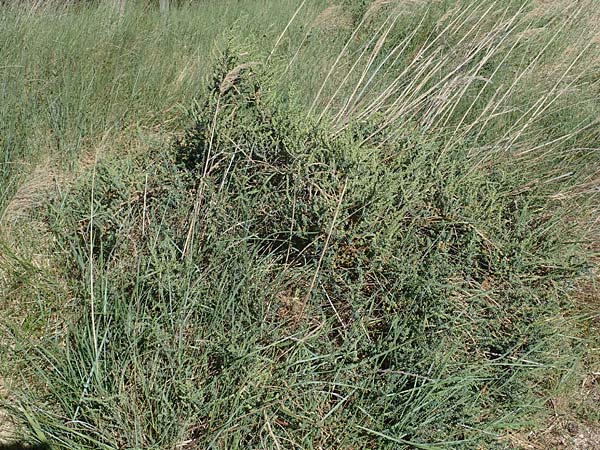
point(75, 80)
point(364, 244)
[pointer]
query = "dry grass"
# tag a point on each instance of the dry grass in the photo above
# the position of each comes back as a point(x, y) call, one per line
point(31, 193)
point(563, 432)
point(7, 428)
point(332, 19)
point(380, 6)
point(568, 425)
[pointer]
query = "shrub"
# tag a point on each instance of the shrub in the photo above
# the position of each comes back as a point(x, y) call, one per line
point(266, 282)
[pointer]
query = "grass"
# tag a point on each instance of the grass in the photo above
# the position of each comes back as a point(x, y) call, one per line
point(136, 70)
point(358, 229)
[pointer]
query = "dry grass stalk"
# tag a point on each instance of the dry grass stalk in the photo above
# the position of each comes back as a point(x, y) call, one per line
point(285, 30)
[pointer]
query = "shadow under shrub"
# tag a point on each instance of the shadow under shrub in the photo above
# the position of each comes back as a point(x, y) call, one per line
point(264, 284)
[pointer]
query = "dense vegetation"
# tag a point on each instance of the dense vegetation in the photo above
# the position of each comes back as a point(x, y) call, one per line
point(366, 227)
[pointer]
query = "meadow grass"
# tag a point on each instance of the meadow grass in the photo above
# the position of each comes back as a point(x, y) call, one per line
point(259, 225)
point(77, 79)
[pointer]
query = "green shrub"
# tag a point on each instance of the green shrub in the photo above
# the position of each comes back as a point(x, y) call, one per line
point(265, 283)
